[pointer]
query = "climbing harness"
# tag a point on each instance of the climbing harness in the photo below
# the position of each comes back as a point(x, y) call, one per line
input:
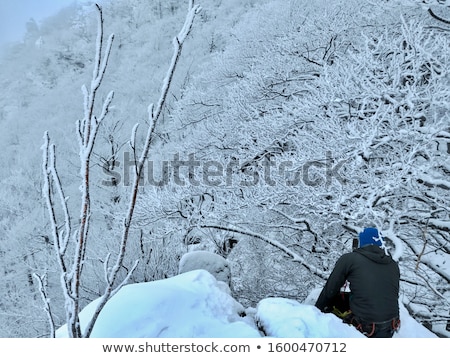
point(369, 328)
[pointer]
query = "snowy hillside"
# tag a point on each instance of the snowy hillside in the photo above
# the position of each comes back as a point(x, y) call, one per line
point(268, 132)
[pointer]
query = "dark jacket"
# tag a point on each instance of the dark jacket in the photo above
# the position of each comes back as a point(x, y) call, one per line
point(374, 284)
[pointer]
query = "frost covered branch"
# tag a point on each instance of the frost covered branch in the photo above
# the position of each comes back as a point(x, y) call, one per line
point(71, 268)
point(154, 115)
point(46, 301)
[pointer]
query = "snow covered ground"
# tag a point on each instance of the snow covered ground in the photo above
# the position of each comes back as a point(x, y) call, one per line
point(195, 305)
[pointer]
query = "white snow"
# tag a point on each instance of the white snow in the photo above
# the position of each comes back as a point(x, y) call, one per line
point(195, 305)
point(209, 261)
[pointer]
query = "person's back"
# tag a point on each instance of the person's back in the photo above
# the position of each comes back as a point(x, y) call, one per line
point(374, 284)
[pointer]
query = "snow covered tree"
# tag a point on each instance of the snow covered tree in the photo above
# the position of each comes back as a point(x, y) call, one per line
point(389, 104)
point(307, 131)
point(288, 127)
point(58, 64)
point(71, 245)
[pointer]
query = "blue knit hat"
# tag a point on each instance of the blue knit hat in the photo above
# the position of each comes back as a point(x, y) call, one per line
point(370, 236)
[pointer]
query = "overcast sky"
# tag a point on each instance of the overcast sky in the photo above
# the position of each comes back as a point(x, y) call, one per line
point(14, 14)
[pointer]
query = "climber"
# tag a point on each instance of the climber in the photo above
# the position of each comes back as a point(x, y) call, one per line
point(372, 277)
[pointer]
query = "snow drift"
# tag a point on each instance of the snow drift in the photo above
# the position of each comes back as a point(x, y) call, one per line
point(195, 305)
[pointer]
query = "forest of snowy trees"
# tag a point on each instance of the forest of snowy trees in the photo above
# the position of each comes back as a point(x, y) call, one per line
point(288, 126)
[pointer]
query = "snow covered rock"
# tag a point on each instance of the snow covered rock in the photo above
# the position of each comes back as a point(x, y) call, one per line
point(286, 318)
point(195, 305)
point(192, 304)
point(215, 264)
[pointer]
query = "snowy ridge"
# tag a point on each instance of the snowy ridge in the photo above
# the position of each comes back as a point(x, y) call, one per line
point(195, 305)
